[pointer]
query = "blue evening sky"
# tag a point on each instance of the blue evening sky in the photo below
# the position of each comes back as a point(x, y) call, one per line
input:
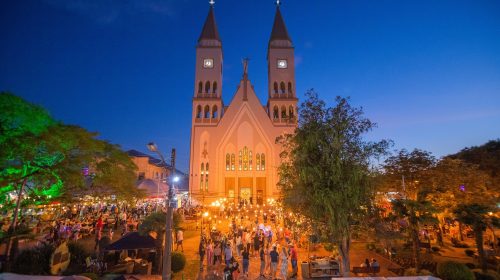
point(427, 71)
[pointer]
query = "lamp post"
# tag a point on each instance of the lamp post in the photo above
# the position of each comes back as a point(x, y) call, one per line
point(167, 252)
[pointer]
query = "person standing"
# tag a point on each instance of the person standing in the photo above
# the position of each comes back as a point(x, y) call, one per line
point(228, 254)
point(246, 261)
point(217, 254)
point(274, 262)
point(180, 238)
point(294, 259)
point(201, 252)
point(210, 253)
point(284, 263)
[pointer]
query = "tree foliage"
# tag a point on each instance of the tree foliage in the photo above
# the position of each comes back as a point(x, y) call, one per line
point(325, 172)
point(47, 157)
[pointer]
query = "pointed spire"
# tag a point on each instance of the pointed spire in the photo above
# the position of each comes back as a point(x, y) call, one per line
point(279, 29)
point(209, 31)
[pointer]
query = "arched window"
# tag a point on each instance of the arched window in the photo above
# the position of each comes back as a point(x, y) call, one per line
point(290, 111)
point(282, 87)
point(275, 87)
point(240, 160)
point(206, 168)
point(215, 112)
point(276, 114)
point(289, 88)
point(232, 162)
point(201, 182)
point(202, 168)
point(250, 161)
point(262, 162)
point(214, 87)
point(283, 112)
point(228, 162)
point(207, 112)
point(257, 159)
point(198, 112)
point(206, 183)
point(207, 87)
point(200, 87)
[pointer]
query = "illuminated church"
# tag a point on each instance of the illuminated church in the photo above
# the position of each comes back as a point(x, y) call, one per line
point(234, 154)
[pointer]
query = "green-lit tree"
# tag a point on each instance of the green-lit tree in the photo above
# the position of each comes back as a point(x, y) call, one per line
point(478, 217)
point(325, 169)
point(44, 158)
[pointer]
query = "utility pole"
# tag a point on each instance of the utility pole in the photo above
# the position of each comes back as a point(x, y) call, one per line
point(167, 254)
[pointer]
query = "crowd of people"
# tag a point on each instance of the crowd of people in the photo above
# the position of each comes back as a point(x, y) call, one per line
point(246, 241)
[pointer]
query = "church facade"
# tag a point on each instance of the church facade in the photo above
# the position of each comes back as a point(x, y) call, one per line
point(233, 151)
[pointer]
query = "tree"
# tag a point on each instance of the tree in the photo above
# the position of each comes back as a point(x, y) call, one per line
point(44, 158)
point(411, 171)
point(155, 222)
point(325, 169)
point(477, 217)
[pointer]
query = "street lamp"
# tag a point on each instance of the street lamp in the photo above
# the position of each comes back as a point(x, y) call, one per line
point(167, 252)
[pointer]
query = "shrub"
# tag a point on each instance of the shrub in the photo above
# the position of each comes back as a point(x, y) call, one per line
point(469, 252)
point(450, 270)
point(413, 272)
point(33, 261)
point(470, 265)
point(370, 246)
point(78, 253)
point(489, 275)
point(178, 261)
point(435, 249)
point(92, 276)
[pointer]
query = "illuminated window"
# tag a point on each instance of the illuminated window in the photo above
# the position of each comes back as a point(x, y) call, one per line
point(206, 183)
point(202, 168)
point(201, 182)
point(257, 158)
point(239, 160)
point(245, 159)
point(262, 162)
point(228, 159)
point(232, 162)
point(206, 168)
point(250, 161)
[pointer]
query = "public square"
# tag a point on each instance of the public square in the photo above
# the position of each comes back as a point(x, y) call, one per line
point(162, 139)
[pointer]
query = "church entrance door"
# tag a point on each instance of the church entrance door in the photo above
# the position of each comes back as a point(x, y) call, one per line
point(245, 193)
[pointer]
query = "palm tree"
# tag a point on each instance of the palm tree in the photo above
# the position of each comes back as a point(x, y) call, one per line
point(478, 217)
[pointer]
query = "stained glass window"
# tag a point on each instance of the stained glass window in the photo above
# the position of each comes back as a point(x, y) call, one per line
point(257, 157)
point(262, 162)
point(228, 159)
point(232, 162)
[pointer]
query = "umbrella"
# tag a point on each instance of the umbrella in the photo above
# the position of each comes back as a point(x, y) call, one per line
point(132, 241)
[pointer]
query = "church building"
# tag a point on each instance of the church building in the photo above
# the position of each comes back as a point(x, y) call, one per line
point(234, 154)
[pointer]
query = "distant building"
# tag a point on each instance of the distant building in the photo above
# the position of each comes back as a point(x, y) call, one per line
point(233, 148)
point(151, 168)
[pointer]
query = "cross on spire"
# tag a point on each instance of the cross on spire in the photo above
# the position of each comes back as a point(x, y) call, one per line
point(211, 2)
point(278, 2)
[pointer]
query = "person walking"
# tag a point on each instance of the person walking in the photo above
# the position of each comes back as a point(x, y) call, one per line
point(274, 262)
point(246, 261)
point(262, 256)
point(284, 263)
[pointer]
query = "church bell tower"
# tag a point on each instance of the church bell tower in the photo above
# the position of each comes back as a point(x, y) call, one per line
point(207, 101)
point(282, 102)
